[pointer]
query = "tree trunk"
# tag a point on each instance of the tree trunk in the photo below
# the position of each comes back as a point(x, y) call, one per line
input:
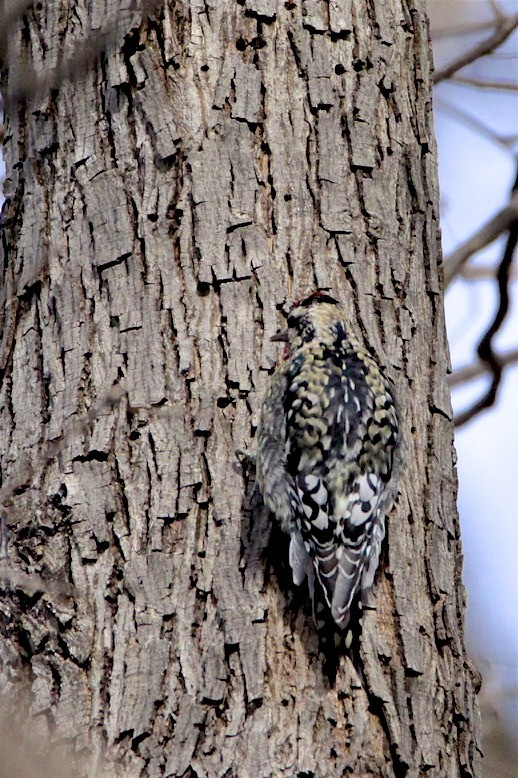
point(166, 195)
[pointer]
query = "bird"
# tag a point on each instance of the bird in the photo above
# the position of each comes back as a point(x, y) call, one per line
point(327, 441)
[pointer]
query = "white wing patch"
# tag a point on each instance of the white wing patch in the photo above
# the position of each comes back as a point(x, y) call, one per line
point(368, 485)
point(300, 560)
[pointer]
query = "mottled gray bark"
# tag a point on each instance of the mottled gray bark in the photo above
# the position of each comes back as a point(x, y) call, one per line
point(163, 201)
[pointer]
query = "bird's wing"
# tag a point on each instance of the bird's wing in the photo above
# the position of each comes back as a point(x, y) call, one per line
point(338, 503)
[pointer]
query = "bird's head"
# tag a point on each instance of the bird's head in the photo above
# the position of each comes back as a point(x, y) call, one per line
point(306, 317)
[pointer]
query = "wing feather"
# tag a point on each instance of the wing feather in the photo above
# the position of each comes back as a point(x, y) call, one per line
point(338, 506)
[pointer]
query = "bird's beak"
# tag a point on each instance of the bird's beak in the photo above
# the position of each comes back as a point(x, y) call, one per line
point(280, 337)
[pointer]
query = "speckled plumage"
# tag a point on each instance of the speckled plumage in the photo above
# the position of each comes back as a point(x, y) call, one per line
point(326, 443)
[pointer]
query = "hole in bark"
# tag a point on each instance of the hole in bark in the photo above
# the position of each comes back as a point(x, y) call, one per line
point(341, 35)
point(123, 735)
point(29, 291)
point(137, 740)
point(339, 69)
point(230, 648)
point(203, 288)
point(240, 44)
point(257, 43)
point(92, 456)
point(204, 68)
point(223, 402)
point(287, 198)
point(160, 403)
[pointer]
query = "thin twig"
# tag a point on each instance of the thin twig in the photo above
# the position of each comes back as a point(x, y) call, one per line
point(32, 583)
point(9, 13)
point(503, 30)
point(485, 348)
point(486, 235)
point(461, 29)
point(473, 123)
point(484, 272)
point(507, 86)
point(53, 448)
point(496, 9)
point(469, 373)
point(26, 83)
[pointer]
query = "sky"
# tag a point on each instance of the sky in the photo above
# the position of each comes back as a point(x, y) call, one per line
point(476, 174)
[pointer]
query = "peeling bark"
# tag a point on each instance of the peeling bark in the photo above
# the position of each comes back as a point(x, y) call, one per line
point(210, 163)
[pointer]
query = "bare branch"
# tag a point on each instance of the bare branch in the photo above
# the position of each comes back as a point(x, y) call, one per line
point(484, 272)
point(25, 82)
point(508, 86)
point(485, 348)
point(469, 373)
point(486, 235)
point(32, 583)
point(25, 469)
point(503, 29)
point(496, 9)
point(461, 29)
point(476, 125)
point(9, 12)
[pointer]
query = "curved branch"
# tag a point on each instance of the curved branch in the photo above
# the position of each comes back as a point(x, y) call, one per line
point(465, 374)
point(485, 348)
point(486, 235)
point(503, 29)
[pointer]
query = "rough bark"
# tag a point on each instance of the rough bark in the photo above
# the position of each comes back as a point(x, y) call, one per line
point(163, 202)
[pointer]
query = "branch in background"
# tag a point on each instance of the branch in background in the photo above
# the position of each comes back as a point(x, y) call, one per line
point(503, 29)
point(477, 126)
point(485, 348)
point(8, 14)
point(463, 29)
point(508, 86)
point(469, 373)
point(26, 83)
point(486, 235)
point(483, 273)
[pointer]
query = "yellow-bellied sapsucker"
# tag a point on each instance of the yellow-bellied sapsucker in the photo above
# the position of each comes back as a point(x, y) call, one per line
point(327, 438)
